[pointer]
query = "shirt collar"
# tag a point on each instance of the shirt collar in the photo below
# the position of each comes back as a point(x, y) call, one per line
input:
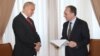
point(73, 21)
point(24, 15)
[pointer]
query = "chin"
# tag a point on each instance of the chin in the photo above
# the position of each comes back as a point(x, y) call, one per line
point(30, 15)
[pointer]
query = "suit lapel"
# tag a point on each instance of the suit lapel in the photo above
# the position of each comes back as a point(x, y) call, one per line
point(65, 29)
point(75, 26)
point(23, 19)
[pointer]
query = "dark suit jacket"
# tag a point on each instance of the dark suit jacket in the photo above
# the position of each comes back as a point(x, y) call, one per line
point(79, 34)
point(25, 37)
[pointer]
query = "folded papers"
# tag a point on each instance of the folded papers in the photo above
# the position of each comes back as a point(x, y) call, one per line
point(59, 43)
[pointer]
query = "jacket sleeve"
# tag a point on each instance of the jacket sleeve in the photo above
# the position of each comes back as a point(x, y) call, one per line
point(85, 35)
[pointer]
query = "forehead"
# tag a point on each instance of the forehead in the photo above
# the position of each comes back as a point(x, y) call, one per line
point(30, 7)
point(67, 9)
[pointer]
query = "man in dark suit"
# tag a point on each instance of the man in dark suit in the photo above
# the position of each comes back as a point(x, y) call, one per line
point(76, 32)
point(27, 40)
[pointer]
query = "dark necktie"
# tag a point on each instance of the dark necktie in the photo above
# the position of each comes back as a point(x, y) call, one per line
point(29, 20)
point(69, 30)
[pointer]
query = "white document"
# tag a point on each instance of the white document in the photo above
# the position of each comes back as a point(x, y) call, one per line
point(59, 43)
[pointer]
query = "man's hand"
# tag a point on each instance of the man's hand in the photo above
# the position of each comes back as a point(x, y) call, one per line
point(37, 47)
point(72, 44)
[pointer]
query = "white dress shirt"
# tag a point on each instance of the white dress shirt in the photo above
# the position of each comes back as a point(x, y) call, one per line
point(24, 15)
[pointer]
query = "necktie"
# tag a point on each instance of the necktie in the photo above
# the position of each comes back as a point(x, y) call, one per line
point(29, 20)
point(69, 30)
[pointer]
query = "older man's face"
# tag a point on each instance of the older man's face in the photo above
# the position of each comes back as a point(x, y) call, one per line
point(30, 10)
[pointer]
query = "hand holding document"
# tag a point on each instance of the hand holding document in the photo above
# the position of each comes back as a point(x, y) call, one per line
point(59, 43)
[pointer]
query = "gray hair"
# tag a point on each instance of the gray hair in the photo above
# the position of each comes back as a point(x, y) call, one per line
point(27, 4)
